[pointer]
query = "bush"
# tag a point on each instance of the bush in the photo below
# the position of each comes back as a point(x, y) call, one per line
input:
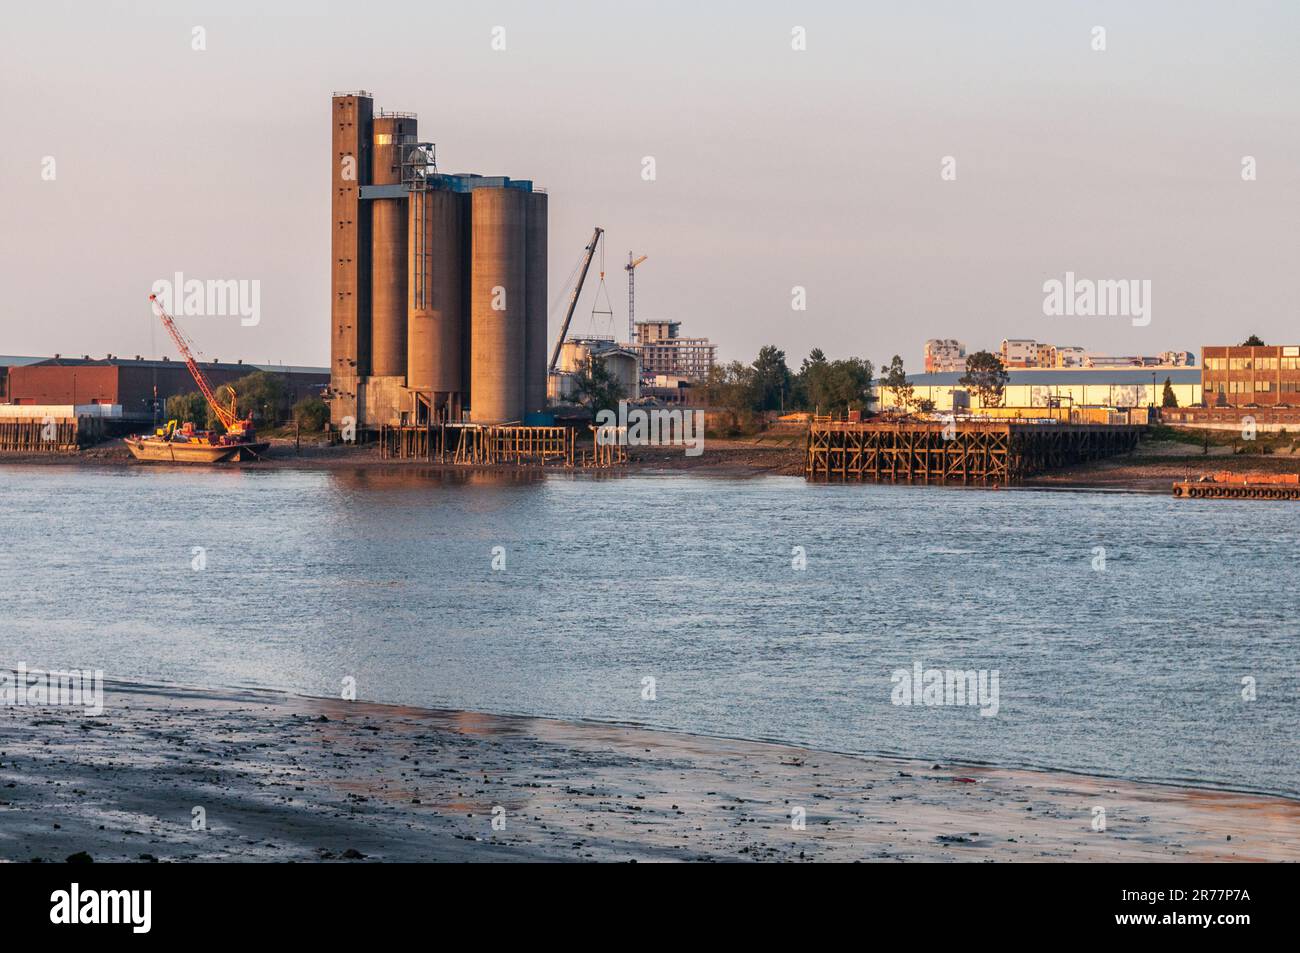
point(312, 414)
point(188, 408)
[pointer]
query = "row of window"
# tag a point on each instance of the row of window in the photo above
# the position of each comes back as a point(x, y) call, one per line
point(1262, 387)
point(1247, 363)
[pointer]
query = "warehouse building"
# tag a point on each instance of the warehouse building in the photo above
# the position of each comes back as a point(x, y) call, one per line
point(1118, 387)
point(438, 282)
point(136, 385)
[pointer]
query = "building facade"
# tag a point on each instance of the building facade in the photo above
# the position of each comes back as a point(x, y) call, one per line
point(1251, 376)
point(621, 362)
point(1019, 352)
point(138, 386)
point(944, 354)
point(662, 351)
point(1043, 388)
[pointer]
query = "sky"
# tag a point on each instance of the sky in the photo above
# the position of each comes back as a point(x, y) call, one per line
point(775, 168)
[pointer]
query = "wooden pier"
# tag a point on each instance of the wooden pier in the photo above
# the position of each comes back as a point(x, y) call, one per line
point(964, 453)
point(509, 445)
point(50, 435)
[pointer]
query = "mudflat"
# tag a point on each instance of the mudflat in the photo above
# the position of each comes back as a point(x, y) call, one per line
point(275, 777)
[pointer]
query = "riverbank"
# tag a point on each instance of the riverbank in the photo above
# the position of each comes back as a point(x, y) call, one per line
point(1154, 468)
point(286, 778)
point(753, 456)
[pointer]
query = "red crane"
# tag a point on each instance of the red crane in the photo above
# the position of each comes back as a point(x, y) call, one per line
point(227, 415)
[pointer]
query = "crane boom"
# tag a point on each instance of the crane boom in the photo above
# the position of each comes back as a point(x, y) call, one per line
point(573, 299)
point(227, 416)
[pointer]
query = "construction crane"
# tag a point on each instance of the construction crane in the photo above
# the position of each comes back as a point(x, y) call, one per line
point(228, 416)
point(630, 268)
point(588, 254)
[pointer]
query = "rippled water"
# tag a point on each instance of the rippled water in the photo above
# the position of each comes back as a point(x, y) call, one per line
point(313, 576)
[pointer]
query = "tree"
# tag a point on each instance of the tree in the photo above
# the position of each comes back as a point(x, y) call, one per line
point(894, 380)
point(825, 386)
point(986, 375)
point(188, 408)
point(311, 413)
point(1253, 341)
point(595, 387)
point(1169, 398)
point(772, 379)
point(848, 383)
point(731, 387)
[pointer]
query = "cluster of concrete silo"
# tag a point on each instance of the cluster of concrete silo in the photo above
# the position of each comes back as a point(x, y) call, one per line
point(439, 282)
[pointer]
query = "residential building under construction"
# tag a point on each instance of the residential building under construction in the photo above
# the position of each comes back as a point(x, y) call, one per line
point(438, 281)
point(662, 352)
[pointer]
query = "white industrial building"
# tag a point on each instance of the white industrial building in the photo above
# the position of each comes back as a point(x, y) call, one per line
point(1031, 387)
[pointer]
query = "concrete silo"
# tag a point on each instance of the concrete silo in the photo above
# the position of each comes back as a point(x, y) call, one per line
point(434, 336)
point(394, 134)
point(535, 350)
point(498, 303)
point(349, 251)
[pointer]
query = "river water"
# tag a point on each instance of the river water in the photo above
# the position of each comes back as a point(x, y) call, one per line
point(1126, 663)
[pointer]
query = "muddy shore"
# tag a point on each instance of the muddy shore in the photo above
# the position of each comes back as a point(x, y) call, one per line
point(281, 777)
point(1153, 468)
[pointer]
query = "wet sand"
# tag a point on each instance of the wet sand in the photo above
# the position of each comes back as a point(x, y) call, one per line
point(288, 778)
point(1154, 468)
point(721, 457)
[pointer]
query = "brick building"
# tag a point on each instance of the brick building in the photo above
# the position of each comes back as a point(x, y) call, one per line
point(134, 384)
point(1251, 376)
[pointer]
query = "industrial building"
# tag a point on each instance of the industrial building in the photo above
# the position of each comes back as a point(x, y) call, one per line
point(575, 353)
point(1117, 387)
point(1251, 376)
point(438, 282)
point(138, 386)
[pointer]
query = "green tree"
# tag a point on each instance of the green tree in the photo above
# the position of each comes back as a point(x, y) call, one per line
point(771, 379)
point(595, 387)
point(828, 386)
point(732, 387)
point(311, 414)
point(894, 379)
point(810, 382)
point(987, 377)
point(1169, 398)
point(848, 384)
point(1253, 341)
point(263, 394)
point(188, 408)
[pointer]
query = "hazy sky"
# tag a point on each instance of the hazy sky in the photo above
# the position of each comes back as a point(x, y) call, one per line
point(775, 167)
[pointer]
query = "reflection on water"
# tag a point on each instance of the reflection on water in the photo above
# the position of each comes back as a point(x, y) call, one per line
point(387, 577)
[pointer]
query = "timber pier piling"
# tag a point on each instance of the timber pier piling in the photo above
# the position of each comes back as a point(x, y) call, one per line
point(959, 452)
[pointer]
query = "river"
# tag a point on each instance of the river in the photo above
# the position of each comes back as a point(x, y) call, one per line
point(1171, 656)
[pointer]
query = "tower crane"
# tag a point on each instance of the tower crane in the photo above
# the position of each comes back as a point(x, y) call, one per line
point(228, 416)
point(630, 268)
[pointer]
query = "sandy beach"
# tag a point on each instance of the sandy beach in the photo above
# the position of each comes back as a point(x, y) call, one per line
point(287, 778)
